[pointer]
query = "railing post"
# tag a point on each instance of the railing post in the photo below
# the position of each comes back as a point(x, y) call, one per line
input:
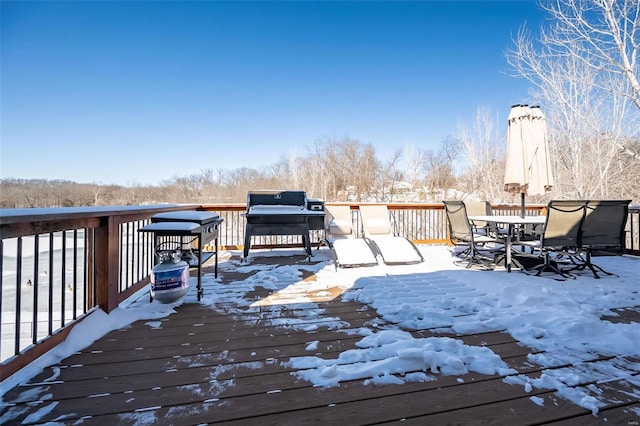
point(106, 264)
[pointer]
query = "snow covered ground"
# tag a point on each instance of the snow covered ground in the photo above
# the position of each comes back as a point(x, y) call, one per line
point(560, 319)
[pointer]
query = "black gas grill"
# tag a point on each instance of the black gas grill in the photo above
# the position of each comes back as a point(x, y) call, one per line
point(282, 213)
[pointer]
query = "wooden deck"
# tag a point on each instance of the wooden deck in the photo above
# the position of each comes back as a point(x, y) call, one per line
point(203, 367)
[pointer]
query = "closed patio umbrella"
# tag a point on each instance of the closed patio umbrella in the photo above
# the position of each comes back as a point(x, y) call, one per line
point(528, 168)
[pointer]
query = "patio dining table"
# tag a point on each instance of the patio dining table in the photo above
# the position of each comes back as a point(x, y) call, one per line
point(514, 223)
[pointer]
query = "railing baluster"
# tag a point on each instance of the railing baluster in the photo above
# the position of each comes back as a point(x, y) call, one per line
point(36, 282)
point(18, 296)
point(51, 276)
point(139, 252)
point(127, 249)
point(87, 282)
point(63, 280)
point(75, 274)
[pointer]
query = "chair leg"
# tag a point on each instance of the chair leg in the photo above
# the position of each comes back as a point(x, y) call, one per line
point(465, 253)
point(548, 266)
point(473, 257)
point(592, 267)
point(572, 258)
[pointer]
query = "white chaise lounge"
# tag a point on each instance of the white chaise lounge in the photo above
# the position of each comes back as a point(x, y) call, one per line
point(349, 251)
point(393, 249)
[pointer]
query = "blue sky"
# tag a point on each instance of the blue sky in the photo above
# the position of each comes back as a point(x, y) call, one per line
point(138, 92)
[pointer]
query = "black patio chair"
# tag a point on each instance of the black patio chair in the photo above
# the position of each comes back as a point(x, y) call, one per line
point(479, 208)
point(602, 232)
point(560, 238)
point(461, 232)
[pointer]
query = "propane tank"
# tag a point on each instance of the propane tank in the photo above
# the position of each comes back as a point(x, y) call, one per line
point(170, 278)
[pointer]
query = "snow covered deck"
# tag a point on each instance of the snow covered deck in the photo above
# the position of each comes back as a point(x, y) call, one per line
point(282, 340)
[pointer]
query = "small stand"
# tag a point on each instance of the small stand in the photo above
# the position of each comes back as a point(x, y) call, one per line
point(203, 226)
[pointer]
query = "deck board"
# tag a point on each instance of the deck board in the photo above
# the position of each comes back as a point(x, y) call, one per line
point(200, 366)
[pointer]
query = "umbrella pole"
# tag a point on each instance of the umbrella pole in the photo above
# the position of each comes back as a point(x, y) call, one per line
point(522, 209)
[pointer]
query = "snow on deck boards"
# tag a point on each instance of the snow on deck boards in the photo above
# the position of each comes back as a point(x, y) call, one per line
point(201, 365)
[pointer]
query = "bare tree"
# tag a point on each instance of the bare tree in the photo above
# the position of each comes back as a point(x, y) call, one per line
point(96, 191)
point(244, 179)
point(349, 167)
point(483, 147)
point(604, 35)
point(287, 171)
point(134, 194)
point(390, 173)
point(10, 193)
point(36, 193)
point(439, 165)
point(584, 72)
point(414, 164)
point(313, 178)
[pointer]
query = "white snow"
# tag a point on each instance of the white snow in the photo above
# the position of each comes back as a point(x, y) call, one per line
point(353, 251)
point(396, 249)
point(562, 320)
point(171, 226)
point(537, 400)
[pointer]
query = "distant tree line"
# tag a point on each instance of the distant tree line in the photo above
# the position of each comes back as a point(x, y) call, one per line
point(471, 163)
point(335, 169)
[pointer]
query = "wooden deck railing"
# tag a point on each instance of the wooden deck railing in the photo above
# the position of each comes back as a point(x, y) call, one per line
point(58, 265)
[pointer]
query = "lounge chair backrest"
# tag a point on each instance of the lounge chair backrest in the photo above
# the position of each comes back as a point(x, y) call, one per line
point(459, 226)
point(604, 224)
point(563, 224)
point(338, 220)
point(478, 208)
point(375, 219)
